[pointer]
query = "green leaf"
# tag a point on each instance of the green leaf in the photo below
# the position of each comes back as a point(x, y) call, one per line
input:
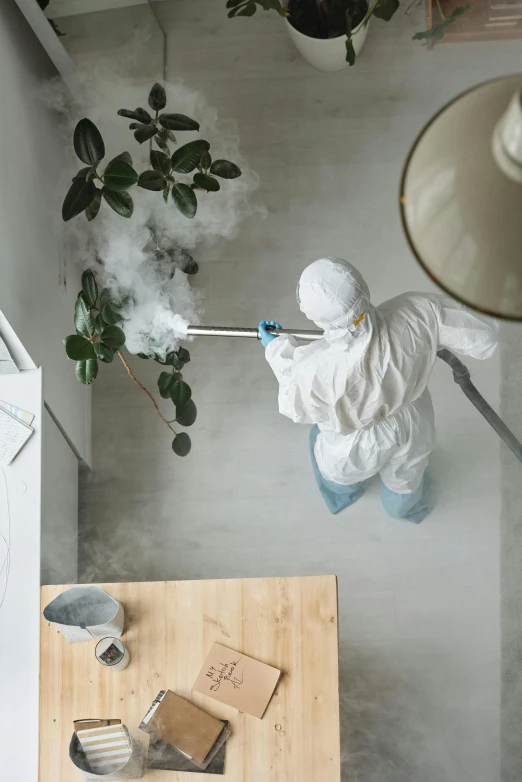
point(99, 323)
point(181, 444)
point(94, 207)
point(152, 180)
point(350, 51)
point(119, 175)
point(437, 33)
point(177, 122)
point(83, 173)
point(160, 162)
point(86, 371)
point(78, 348)
point(385, 9)
point(89, 287)
point(110, 315)
point(180, 393)
point(144, 132)
point(205, 160)
point(83, 318)
point(247, 10)
point(162, 144)
point(121, 202)
point(183, 356)
point(186, 158)
point(187, 264)
point(88, 143)
point(187, 414)
point(165, 382)
point(79, 196)
point(104, 352)
point(185, 199)
point(143, 355)
point(166, 194)
point(168, 134)
point(206, 182)
point(225, 169)
point(113, 336)
point(178, 358)
point(157, 97)
point(141, 115)
point(125, 156)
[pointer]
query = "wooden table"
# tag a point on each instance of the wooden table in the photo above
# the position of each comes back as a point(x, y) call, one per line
point(290, 623)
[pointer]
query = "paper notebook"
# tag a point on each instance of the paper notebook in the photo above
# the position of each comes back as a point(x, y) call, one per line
point(104, 744)
point(13, 435)
point(237, 680)
point(185, 726)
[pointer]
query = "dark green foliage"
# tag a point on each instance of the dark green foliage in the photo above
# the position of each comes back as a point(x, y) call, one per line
point(186, 158)
point(78, 348)
point(225, 169)
point(181, 444)
point(113, 336)
point(206, 182)
point(85, 195)
point(185, 199)
point(122, 203)
point(99, 337)
point(89, 287)
point(157, 97)
point(94, 207)
point(87, 371)
point(152, 180)
point(180, 393)
point(437, 32)
point(119, 175)
point(88, 143)
point(187, 414)
point(80, 195)
point(177, 122)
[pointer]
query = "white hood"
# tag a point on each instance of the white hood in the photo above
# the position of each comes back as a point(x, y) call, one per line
point(333, 294)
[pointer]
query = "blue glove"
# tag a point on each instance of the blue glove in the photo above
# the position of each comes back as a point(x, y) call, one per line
point(266, 336)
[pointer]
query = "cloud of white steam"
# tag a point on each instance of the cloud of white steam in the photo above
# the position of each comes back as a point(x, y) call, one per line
point(136, 258)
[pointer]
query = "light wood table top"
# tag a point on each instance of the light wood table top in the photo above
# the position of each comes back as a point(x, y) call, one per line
point(290, 623)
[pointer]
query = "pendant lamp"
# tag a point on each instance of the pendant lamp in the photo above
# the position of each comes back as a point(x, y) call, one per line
point(461, 198)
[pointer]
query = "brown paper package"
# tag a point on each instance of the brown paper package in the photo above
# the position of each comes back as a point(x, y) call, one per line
point(185, 726)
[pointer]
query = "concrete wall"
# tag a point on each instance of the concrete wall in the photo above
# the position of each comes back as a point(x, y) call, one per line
point(38, 285)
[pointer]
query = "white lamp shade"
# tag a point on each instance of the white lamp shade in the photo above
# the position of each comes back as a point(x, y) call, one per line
point(461, 198)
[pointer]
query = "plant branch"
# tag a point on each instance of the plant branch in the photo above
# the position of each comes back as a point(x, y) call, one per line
point(140, 385)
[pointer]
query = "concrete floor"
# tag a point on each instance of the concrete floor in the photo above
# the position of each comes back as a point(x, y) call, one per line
point(419, 606)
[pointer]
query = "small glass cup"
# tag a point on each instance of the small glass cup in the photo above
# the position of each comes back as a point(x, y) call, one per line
point(111, 653)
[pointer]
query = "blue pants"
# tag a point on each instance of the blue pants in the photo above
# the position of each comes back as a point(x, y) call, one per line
point(413, 507)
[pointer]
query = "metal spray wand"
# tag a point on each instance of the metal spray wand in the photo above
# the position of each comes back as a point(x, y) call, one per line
point(461, 374)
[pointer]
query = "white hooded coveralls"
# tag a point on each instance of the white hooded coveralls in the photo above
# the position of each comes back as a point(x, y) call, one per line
point(365, 383)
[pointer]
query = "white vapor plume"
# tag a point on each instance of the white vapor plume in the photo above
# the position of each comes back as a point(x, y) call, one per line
point(140, 260)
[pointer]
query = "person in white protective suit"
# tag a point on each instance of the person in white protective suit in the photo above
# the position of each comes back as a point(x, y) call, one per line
point(364, 385)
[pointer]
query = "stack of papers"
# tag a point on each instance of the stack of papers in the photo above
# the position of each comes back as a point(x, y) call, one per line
point(15, 430)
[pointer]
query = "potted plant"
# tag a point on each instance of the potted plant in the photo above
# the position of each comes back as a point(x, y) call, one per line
point(328, 33)
point(331, 33)
point(101, 317)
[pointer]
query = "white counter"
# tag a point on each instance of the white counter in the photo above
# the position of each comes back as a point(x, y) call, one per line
point(20, 612)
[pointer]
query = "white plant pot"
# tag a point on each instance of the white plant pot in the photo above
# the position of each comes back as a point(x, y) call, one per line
point(326, 54)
